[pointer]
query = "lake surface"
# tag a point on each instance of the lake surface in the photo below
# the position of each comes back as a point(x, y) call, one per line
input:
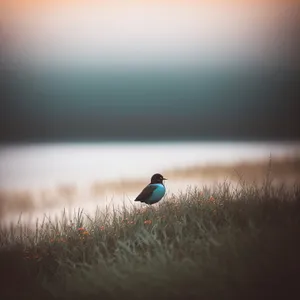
point(39, 179)
point(46, 165)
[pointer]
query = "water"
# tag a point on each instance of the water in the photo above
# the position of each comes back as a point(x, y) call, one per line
point(46, 165)
point(42, 168)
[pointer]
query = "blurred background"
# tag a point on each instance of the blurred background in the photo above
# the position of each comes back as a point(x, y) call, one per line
point(96, 96)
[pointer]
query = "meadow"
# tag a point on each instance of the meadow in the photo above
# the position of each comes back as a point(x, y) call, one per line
point(205, 243)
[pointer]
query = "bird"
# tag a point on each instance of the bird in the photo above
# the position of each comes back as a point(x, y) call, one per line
point(154, 191)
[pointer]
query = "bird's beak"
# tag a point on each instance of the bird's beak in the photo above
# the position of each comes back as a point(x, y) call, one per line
point(165, 179)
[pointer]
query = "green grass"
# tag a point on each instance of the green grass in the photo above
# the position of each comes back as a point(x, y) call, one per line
point(201, 244)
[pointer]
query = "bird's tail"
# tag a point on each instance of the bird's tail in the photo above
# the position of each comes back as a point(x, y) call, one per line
point(138, 200)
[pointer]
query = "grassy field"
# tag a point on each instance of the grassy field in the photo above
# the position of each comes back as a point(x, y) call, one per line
point(202, 244)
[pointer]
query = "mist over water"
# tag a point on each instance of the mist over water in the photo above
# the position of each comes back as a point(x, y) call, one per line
point(47, 165)
point(43, 179)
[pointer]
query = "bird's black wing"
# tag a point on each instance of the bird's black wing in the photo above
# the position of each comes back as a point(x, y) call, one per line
point(146, 193)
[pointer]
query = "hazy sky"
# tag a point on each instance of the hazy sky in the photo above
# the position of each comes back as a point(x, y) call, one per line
point(144, 32)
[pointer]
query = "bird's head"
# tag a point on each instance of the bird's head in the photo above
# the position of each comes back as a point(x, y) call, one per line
point(157, 178)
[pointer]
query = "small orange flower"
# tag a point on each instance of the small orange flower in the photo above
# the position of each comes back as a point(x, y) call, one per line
point(148, 222)
point(85, 233)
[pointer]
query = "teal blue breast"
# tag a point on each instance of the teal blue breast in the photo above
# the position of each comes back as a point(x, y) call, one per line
point(158, 193)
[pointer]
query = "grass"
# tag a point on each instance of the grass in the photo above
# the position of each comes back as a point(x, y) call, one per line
point(219, 243)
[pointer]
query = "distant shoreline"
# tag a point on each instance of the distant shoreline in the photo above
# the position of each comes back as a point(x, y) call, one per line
point(280, 171)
